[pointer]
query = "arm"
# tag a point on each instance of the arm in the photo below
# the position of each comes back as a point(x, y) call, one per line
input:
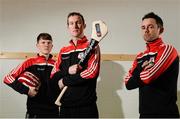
point(56, 67)
point(58, 71)
point(140, 75)
point(166, 55)
point(90, 72)
point(132, 79)
point(56, 76)
point(12, 78)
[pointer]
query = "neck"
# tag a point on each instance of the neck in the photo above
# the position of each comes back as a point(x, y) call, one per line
point(45, 55)
point(152, 40)
point(75, 39)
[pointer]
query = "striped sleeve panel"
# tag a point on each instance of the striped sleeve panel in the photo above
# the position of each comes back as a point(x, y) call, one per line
point(56, 65)
point(165, 58)
point(92, 70)
point(11, 77)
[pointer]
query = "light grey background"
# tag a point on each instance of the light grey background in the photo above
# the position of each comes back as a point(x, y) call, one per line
point(22, 20)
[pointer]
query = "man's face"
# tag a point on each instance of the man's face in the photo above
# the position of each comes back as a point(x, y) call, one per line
point(44, 46)
point(76, 26)
point(150, 29)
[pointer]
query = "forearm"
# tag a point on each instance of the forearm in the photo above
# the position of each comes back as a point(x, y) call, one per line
point(53, 82)
point(19, 87)
point(72, 80)
point(134, 81)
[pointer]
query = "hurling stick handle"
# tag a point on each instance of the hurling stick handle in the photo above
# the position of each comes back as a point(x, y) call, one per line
point(57, 102)
point(87, 51)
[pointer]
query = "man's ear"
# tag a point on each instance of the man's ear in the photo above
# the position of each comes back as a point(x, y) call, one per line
point(161, 30)
point(84, 26)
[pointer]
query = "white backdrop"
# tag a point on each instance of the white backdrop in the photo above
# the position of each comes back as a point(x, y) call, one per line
point(22, 20)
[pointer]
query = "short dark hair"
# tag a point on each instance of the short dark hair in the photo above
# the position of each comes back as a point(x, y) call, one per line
point(75, 14)
point(44, 36)
point(154, 16)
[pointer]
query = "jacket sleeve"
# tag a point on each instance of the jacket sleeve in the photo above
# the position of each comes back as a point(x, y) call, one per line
point(138, 77)
point(56, 66)
point(11, 79)
point(57, 73)
point(54, 87)
point(89, 73)
point(166, 56)
point(132, 79)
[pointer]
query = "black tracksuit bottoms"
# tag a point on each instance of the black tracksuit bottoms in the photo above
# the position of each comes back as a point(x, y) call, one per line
point(88, 111)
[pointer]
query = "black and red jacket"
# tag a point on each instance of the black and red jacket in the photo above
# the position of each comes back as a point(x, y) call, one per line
point(41, 68)
point(158, 84)
point(81, 86)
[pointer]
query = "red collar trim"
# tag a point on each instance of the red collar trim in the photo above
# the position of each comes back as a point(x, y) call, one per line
point(154, 43)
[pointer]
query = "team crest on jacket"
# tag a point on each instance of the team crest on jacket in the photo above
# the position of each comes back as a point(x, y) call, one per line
point(152, 60)
point(81, 55)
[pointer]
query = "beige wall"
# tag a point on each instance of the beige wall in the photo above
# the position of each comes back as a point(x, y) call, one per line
point(22, 20)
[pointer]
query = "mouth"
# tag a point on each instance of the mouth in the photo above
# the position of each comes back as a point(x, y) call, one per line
point(46, 49)
point(147, 35)
point(75, 30)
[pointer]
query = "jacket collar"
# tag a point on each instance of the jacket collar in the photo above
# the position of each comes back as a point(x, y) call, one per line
point(156, 43)
point(42, 56)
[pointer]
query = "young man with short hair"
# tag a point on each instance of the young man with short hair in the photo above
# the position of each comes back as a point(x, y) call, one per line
point(32, 79)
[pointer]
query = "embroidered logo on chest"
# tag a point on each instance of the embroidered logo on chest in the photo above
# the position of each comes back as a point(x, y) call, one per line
point(152, 59)
point(81, 55)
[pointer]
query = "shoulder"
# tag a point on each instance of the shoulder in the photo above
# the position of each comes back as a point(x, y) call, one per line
point(24, 65)
point(30, 60)
point(67, 49)
point(139, 55)
point(51, 61)
point(167, 48)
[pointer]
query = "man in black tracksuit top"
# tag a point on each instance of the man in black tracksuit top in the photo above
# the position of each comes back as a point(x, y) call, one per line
point(155, 73)
point(39, 102)
point(79, 100)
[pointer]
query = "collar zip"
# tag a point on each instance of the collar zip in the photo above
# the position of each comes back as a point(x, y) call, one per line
point(45, 58)
point(154, 44)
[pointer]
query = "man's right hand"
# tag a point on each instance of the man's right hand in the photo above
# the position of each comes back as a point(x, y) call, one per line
point(146, 65)
point(32, 91)
point(74, 69)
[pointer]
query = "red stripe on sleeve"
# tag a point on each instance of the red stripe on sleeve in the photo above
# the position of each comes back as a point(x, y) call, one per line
point(164, 59)
point(93, 66)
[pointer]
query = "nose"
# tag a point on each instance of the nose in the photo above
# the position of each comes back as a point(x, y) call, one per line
point(75, 25)
point(46, 44)
point(146, 30)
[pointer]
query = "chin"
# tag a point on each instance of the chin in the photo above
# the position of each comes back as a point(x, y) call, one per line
point(45, 53)
point(76, 35)
point(148, 40)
